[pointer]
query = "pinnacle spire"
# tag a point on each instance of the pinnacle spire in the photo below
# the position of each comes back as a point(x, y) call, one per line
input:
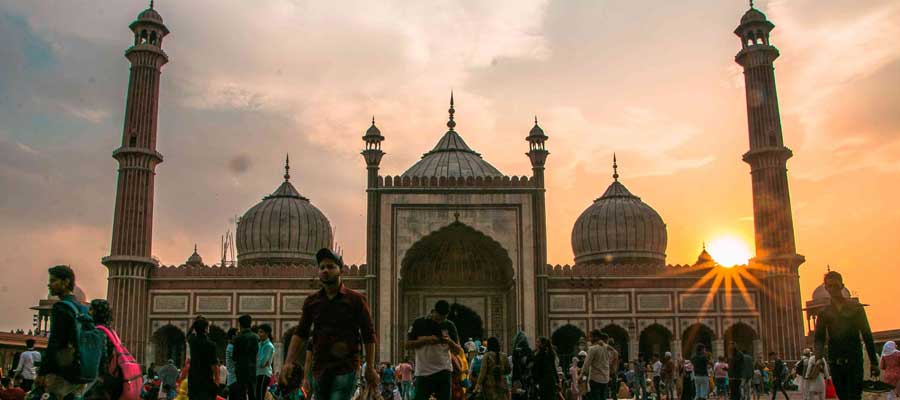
point(535, 119)
point(151, 4)
point(751, 3)
point(373, 120)
point(287, 167)
point(450, 123)
point(195, 247)
point(616, 172)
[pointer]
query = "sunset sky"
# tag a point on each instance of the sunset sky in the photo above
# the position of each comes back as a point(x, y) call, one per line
point(653, 81)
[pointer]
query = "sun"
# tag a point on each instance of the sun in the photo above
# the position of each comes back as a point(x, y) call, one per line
point(729, 251)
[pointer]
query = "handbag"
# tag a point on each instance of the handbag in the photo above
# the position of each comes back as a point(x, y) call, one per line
point(830, 393)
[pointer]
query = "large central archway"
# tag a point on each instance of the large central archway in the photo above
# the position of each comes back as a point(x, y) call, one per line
point(464, 266)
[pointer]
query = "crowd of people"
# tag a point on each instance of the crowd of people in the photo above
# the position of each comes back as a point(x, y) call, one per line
point(331, 356)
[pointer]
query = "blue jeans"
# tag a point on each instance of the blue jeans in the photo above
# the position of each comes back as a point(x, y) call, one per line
point(701, 387)
point(338, 387)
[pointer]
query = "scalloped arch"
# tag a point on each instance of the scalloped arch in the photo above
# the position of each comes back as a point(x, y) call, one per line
point(456, 254)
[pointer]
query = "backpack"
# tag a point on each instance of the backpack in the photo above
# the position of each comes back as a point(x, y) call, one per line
point(90, 344)
point(129, 369)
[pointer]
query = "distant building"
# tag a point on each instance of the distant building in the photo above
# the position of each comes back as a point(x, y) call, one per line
point(454, 227)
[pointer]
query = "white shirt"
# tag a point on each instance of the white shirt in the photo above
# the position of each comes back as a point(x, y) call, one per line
point(27, 364)
point(657, 367)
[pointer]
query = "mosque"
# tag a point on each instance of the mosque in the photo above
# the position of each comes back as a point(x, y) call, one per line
point(454, 227)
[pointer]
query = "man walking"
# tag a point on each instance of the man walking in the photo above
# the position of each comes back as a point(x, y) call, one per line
point(800, 371)
point(27, 368)
point(596, 367)
point(747, 376)
point(433, 338)
point(405, 370)
point(246, 349)
point(340, 323)
point(201, 381)
point(779, 376)
point(58, 374)
point(842, 323)
point(735, 373)
point(264, 358)
point(613, 369)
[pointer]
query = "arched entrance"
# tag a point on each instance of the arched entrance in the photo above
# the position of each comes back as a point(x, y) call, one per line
point(169, 343)
point(742, 335)
point(464, 266)
point(696, 334)
point(620, 341)
point(655, 340)
point(566, 339)
point(220, 338)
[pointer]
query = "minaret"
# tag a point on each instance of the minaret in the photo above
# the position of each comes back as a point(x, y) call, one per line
point(782, 317)
point(538, 153)
point(372, 155)
point(130, 261)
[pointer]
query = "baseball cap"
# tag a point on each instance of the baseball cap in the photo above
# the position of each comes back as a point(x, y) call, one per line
point(326, 254)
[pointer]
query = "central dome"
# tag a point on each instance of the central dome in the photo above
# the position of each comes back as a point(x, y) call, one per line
point(619, 228)
point(283, 228)
point(452, 157)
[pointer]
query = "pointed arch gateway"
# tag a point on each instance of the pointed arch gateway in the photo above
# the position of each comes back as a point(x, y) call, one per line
point(463, 266)
point(169, 343)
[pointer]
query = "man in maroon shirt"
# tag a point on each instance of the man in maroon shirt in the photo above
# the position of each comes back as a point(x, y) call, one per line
point(8, 392)
point(339, 320)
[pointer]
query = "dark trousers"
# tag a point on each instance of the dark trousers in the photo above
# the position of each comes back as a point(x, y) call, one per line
point(613, 385)
point(243, 389)
point(656, 382)
point(27, 384)
point(262, 386)
point(778, 386)
point(734, 388)
point(599, 391)
point(438, 384)
point(847, 379)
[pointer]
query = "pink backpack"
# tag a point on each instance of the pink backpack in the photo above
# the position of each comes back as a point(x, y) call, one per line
point(125, 363)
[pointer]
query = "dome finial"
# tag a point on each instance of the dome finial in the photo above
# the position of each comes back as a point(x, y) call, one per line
point(704, 245)
point(287, 167)
point(535, 119)
point(151, 4)
point(751, 3)
point(373, 120)
point(615, 168)
point(195, 247)
point(451, 124)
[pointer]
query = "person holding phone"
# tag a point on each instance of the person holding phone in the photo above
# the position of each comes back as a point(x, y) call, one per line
point(433, 337)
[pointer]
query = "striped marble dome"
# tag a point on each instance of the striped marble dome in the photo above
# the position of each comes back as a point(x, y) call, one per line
point(283, 228)
point(619, 228)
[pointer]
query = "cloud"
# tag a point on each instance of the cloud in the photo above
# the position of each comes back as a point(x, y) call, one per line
point(248, 82)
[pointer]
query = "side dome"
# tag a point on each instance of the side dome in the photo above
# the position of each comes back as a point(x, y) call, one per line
point(619, 228)
point(284, 228)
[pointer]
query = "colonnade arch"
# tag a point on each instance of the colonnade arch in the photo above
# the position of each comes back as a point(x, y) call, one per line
point(568, 340)
point(694, 335)
point(620, 341)
point(169, 343)
point(654, 340)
